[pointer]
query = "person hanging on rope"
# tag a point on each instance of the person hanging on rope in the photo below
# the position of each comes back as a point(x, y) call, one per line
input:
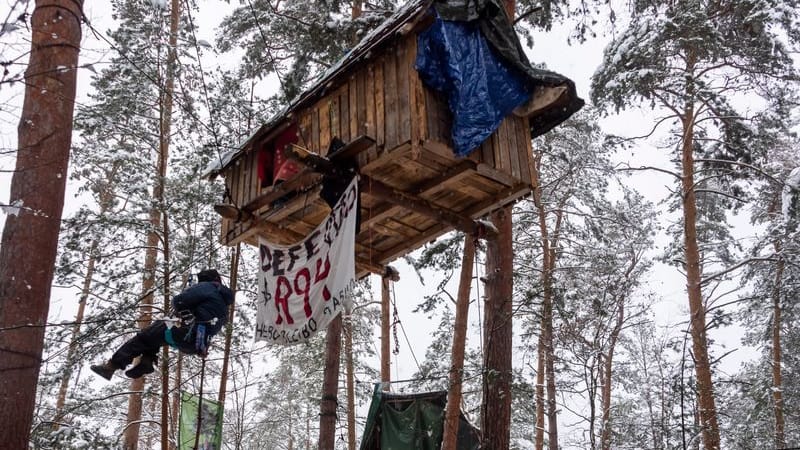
point(203, 309)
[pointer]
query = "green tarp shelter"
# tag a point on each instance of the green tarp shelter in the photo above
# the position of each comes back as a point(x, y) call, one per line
point(412, 422)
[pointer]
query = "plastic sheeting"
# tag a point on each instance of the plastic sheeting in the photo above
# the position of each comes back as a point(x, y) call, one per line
point(496, 30)
point(412, 422)
point(481, 89)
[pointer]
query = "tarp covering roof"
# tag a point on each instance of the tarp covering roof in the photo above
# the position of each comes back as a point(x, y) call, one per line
point(494, 25)
point(500, 34)
point(412, 422)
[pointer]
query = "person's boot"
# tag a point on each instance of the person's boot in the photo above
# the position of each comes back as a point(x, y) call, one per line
point(105, 370)
point(144, 367)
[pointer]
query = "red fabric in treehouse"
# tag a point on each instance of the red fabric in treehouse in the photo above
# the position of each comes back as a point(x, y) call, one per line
point(273, 165)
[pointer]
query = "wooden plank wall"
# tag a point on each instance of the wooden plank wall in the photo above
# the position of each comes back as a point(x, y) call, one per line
point(386, 100)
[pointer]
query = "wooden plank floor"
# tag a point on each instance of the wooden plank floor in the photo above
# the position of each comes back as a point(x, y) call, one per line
point(388, 231)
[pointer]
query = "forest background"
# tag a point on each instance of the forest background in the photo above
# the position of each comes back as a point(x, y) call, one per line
point(610, 200)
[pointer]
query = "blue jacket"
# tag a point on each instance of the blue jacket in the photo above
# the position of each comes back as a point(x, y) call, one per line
point(206, 300)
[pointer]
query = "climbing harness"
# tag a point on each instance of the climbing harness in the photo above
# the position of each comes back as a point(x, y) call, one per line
point(186, 319)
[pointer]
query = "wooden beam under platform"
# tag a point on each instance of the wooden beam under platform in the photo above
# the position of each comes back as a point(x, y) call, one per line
point(419, 205)
point(393, 195)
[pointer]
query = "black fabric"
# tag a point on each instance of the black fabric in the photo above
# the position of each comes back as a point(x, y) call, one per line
point(498, 31)
point(149, 341)
point(206, 300)
point(336, 182)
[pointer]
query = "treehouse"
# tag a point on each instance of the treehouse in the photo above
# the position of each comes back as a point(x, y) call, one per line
point(379, 114)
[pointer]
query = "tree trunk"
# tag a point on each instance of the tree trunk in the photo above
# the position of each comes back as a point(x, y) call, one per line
point(330, 385)
point(386, 376)
point(30, 238)
point(540, 354)
point(106, 198)
point(76, 329)
point(453, 407)
point(777, 378)
point(496, 405)
point(550, 377)
point(135, 402)
point(705, 392)
point(165, 349)
point(176, 400)
point(545, 337)
point(350, 379)
point(607, 371)
point(547, 330)
point(223, 383)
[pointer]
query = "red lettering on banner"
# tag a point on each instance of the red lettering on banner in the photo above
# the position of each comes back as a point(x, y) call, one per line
point(326, 294)
point(282, 294)
point(322, 269)
point(304, 273)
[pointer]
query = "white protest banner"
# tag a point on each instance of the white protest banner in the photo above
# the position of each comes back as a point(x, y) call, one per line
point(303, 286)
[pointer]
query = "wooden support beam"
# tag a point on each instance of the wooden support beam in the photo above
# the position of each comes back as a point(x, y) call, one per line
point(419, 205)
point(504, 197)
point(301, 181)
point(327, 164)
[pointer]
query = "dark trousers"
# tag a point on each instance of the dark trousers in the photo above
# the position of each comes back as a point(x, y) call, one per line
point(148, 342)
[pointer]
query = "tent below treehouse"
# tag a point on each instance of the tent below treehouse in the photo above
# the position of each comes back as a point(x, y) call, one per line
point(399, 135)
point(413, 422)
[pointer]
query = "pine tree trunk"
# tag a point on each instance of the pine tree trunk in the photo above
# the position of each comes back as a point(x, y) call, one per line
point(30, 238)
point(350, 381)
point(165, 349)
point(608, 360)
point(453, 407)
point(550, 376)
point(176, 401)
point(137, 385)
point(540, 355)
point(607, 368)
point(548, 346)
point(705, 392)
point(386, 376)
point(498, 343)
point(106, 199)
point(496, 405)
point(330, 385)
point(548, 260)
point(777, 376)
point(223, 384)
point(76, 329)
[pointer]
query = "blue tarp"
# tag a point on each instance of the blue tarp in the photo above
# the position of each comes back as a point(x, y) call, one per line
point(453, 57)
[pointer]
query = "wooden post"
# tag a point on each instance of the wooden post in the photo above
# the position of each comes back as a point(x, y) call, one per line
point(453, 408)
point(496, 405)
point(330, 385)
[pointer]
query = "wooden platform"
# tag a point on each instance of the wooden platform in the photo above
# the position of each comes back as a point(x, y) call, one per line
point(408, 198)
point(413, 188)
